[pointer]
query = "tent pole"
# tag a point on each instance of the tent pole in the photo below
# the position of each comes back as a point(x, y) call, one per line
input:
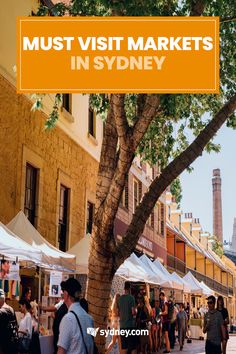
point(40, 283)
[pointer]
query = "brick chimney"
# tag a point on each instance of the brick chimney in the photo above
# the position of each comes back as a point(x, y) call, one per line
point(217, 205)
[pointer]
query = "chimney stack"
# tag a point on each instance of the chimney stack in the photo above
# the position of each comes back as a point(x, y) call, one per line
point(217, 205)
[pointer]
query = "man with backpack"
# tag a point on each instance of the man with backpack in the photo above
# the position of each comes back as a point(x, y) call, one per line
point(8, 327)
point(165, 320)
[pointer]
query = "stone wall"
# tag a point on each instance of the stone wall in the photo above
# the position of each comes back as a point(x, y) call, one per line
point(58, 158)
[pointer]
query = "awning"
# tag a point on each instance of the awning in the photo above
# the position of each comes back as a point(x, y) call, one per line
point(51, 256)
point(81, 251)
point(194, 284)
point(163, 282)
point(207, 291)
point(175, 284)
point(12, 247)
point(185, 286)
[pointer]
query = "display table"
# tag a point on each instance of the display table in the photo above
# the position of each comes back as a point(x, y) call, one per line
point(196, 328)
point(46, 344)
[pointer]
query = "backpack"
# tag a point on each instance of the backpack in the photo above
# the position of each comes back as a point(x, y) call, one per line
point(170, 310)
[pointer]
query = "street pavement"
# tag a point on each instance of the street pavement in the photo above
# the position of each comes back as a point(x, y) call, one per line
point(198, 347)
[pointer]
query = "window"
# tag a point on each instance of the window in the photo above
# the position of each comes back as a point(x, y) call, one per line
point(92, 122)
point(150, 221)
point(30, 192)
point(63, 218)
point(90, 216)
point(125, 195)
point(66, 102)
point(137, 193)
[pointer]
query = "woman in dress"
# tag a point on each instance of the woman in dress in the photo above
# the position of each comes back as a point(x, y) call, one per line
point(221, 308)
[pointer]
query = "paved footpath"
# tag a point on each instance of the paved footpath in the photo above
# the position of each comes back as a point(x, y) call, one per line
point(198, 347)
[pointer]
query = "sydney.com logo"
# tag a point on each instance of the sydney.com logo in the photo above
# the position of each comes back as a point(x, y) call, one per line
point(117, 332)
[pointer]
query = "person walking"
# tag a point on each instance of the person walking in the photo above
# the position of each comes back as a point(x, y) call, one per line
point(224, 312)
point(73, 335)
point(172, 314)
point(8, 327)
point(127, 312)
point(165, 320)
point(25, 327)
point(113, 345)
point(61, 310)
point(214, 327)
point(182, 325)
point(142, 320)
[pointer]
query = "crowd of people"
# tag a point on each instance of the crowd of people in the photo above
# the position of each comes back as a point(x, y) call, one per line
point(162, 318)
point(151, 325)
point(71, 321)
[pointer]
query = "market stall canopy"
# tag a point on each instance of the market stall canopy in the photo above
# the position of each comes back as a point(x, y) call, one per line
point(12, 247)
point(165, 283)
point(194, 284)
point(175, 284)
point(81, 251)
point(207, 291)
point(51, 256)
point(132, 270)
point(185, 286)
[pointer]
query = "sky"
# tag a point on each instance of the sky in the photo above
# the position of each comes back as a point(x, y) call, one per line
point(197, 185)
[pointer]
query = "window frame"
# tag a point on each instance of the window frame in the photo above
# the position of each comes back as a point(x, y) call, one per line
point(35, 175)
point(63, 222)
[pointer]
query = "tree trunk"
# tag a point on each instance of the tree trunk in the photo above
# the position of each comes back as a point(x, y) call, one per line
point(101, 272)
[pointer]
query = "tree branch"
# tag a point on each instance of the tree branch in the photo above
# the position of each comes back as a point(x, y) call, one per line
point(122, 127)
point(197, 7)
point(148, 113)
point(228, 19)
point(173, 170)
point(108, 159)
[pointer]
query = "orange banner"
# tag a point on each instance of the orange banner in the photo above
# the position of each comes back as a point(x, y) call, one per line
point(118, 54)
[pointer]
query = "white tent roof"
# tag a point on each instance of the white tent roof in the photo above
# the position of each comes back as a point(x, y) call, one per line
point(206, 289)
point(12, 247)
point(132, 270)
point(175, 284)
point(194, 284)
point(160, 266)
point(185, 286)
point(165, 283)
point(81, 251)
point(51, 256)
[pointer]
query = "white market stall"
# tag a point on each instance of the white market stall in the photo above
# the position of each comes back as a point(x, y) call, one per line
point(185, 286)
point(81, 251)
point(175, 284)
point(12, 247)
point(206, 289)
point(195, 285)
point(51, 257)
point(163, 280)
